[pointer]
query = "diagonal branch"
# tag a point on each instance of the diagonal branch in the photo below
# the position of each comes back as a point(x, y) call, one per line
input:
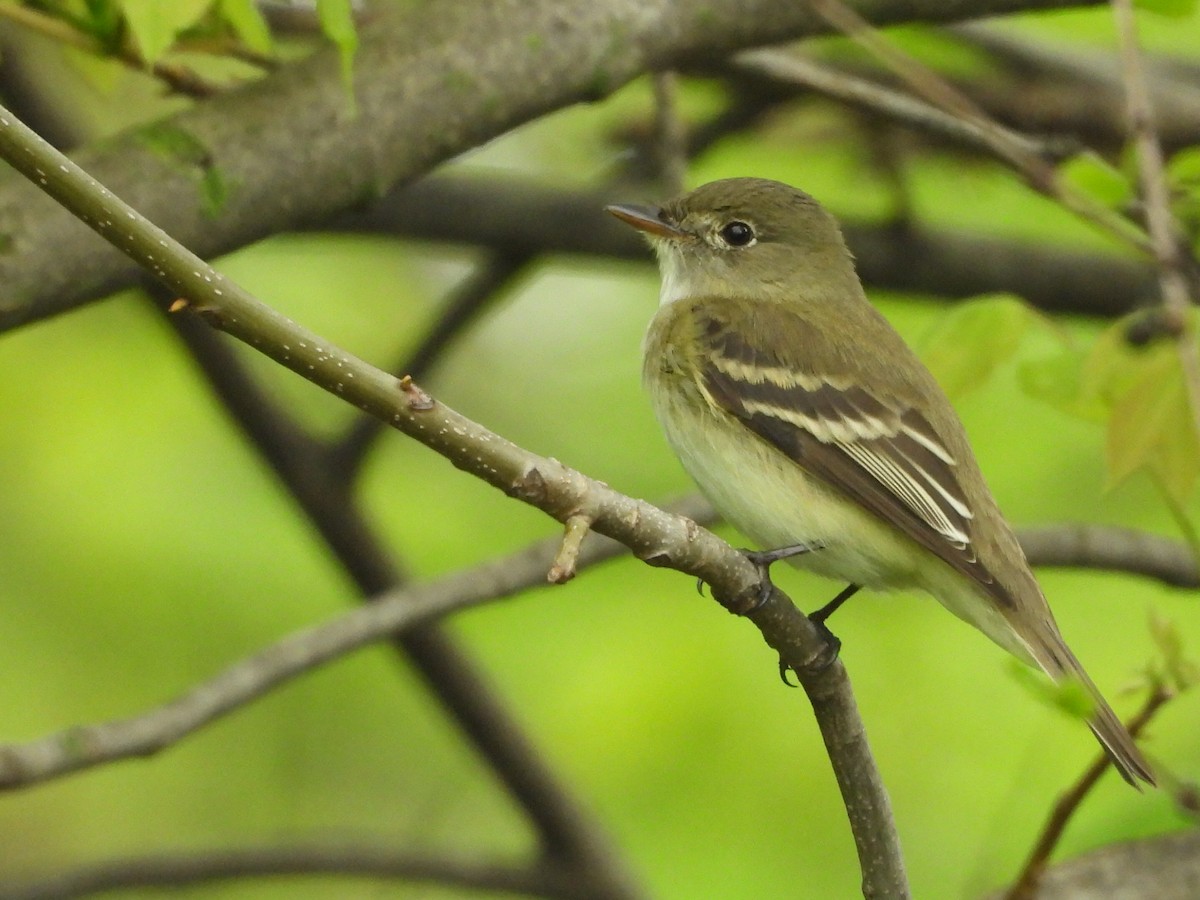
point(545, 483)
point(564, 830)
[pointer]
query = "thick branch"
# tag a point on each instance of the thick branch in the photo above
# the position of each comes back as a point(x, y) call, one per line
point(430, 83)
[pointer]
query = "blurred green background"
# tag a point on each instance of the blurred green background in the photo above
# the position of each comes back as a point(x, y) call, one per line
point(145, 547)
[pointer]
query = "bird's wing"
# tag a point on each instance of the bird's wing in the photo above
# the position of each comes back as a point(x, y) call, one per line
point(880, 452)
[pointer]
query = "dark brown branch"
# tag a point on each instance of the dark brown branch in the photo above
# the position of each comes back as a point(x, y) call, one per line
point(516, 217)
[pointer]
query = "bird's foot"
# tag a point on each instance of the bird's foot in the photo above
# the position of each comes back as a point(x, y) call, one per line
point(764, 559)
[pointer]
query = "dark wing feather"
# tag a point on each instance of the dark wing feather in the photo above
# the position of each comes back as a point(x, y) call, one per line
point(889, 460)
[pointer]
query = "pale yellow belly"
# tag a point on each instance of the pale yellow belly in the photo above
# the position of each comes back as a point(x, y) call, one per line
point(775, 503)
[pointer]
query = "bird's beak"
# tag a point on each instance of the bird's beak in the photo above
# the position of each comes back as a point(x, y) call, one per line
point(649, 219)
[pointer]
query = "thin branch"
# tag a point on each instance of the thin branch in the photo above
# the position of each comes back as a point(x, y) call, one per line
point(1164, 236)
point(178, 78)
point(83, 747)
point(786, 67)
point(1039, 173)
point(542, 482)
point(181, 870)
point(1053, 89)
point(1025, 887)
point(1085, 546)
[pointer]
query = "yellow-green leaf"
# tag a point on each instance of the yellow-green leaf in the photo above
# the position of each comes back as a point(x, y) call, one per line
point(249, 25)
point(1151, 426)
point(1057, 379)
point(1088, 173)
point(156, 25)
point(978, 335)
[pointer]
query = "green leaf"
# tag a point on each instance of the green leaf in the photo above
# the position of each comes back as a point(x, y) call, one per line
point(1150, 424)
point(970, 342)
point(156, 25)
point(1104, 183)
point(1175, 9)
point(337, 24)
point(248, 24)
point(1058, 380)
point(1183, 176)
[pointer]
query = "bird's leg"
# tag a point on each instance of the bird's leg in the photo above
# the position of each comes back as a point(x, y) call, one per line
point(832, 606)
point(764, 559)
point(818, 618)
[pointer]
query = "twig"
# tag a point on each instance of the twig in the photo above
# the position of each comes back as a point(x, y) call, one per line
point(539, 481)
point(179, 79)
point(566, 560)
point(1039, 173)
point(790, 68)
point(1025, 886)
point(1164, 237)
point(1086, 546)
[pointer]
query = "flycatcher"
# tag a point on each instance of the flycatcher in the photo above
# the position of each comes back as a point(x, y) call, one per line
point(805, 418)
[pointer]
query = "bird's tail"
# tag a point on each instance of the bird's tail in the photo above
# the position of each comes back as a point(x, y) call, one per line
point(1060, 664)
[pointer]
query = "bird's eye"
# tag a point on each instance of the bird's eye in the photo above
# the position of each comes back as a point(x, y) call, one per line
point(737, 234)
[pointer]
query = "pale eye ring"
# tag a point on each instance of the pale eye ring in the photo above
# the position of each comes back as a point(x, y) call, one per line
point(737, 234)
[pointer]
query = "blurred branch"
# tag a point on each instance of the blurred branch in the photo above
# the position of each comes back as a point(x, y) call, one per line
point(1163, 867)
point(1113, 549)
point(562, 493)
point(388, 614)
point(177, 78)
point(670, 134)
point(1047, 88)
point(1164, 236)
point(518, 216)
point(1039, 173)
point(404, 126)
point(784, 67)
point(540, 878)
point(1026, 885)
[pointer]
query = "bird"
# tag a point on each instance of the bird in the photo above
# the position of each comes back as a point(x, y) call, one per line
point(807, 421)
